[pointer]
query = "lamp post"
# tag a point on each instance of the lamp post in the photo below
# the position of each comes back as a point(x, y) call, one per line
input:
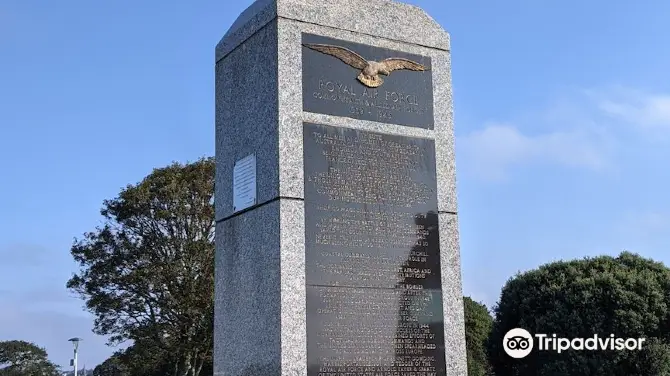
point(75, 343)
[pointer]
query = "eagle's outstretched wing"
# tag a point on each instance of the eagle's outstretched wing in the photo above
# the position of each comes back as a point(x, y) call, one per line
point(396, 63)
point(344, 54)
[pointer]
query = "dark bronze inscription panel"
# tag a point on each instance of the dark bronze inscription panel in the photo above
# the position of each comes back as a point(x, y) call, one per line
point(374, 297)
point(330, 85)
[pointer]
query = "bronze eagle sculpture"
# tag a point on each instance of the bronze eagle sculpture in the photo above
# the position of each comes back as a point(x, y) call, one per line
point(370, 70)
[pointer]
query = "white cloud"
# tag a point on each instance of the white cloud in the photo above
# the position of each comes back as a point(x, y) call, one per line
point(491, 151)
point(583, 130)
point(643, 110)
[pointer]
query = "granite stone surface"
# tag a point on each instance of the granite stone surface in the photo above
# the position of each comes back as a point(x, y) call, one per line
point(254, 18)
point(369, 126)
point(452, 296)
point(248, 306)
point(293, 292)
point(383, 18)
point(246, 117)
point(291, 183)
point(260, 292)
point(444, 134)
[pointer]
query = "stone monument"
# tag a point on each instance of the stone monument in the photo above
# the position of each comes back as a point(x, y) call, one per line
point(337, 233)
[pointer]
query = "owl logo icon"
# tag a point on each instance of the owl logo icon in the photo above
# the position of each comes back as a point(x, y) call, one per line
point(518, 343)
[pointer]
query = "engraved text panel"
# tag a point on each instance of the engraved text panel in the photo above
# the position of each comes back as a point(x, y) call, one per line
point(330, 86)
point(374, 300)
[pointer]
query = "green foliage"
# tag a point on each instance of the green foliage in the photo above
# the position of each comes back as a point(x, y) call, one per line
point(627, 296)
point(147, 274)
point(142, 359)
point(111, 367)
point(478, 323)
point(654, 359)
point(21, 358)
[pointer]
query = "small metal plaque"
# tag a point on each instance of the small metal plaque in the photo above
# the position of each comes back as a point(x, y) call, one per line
point(364, 82)
point(244, 183)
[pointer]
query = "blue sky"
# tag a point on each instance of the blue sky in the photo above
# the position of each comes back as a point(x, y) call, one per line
point(562, 122)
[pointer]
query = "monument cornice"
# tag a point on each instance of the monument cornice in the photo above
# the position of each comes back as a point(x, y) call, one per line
point(363, 17)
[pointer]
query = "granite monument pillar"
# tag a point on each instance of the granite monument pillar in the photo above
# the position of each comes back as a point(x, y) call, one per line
point(337, 249)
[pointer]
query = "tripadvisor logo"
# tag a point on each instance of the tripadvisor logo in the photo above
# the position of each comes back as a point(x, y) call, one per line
point(518, 343)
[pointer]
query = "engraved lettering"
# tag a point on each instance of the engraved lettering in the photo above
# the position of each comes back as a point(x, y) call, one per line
point(372, 253)
point(390, 86)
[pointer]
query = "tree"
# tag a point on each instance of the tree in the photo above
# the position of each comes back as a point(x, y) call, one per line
point(147, 273)
point(145, 358)
point(627, 296)
point(478, 323)
point(654, 359)
point(141, 359)
point(21, 358)
point(112, 366)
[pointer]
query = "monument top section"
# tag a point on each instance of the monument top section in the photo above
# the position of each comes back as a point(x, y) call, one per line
point(383, 18)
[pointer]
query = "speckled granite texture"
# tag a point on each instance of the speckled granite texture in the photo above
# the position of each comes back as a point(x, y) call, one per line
point(410, 24)
point(246, 117)
point(293, 291)
point(452, 296)
point(260, 286)
point(248, 309)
